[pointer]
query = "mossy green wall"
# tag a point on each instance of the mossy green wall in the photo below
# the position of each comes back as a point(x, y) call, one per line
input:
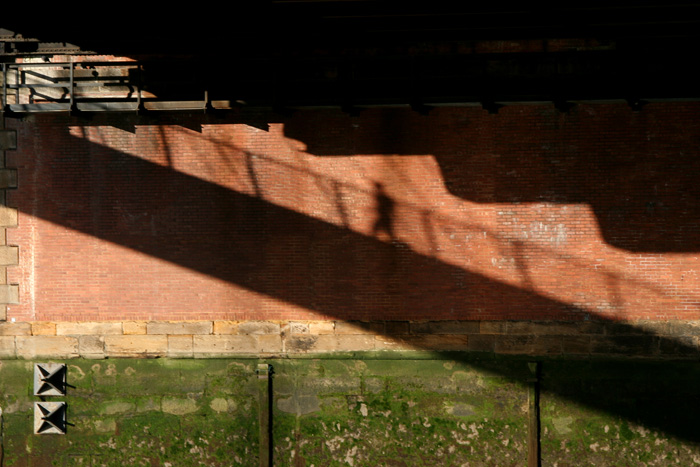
point(456, 410)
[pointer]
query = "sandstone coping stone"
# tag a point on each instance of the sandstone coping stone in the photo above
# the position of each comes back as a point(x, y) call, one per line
point(322, 327)
point(225, 327)
point(295, 327)
point(9, 255)
point(179, 327)
point(180, 346)
point(269, 343)
point(43, 328)
point(8, 216)
point(258, 327)
point(8, 139)
point(8, 178)
point(31, 347)
point(15, 329)
point(445, 327)
point(223, 345)
point(136, 346)
point(92, 347)
point(88, 328)
point(134, 327)
point(9, 294)
point(7, 347)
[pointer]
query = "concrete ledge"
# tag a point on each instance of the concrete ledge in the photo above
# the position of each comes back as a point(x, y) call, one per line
point(214, 339)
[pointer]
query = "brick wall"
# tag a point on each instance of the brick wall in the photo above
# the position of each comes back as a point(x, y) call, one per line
point(528, 214)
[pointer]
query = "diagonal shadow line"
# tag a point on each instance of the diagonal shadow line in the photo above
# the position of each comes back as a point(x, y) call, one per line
point(283, 254)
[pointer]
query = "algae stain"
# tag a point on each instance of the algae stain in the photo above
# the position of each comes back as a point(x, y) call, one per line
point(460, 409)
point(563, 425)
point(178, 406)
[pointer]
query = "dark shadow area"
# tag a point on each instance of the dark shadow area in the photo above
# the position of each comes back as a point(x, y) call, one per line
point(637, 170)
point(280, 253)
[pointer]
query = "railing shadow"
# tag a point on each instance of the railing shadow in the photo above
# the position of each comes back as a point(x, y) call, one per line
point(640, 183)
point(253, 243)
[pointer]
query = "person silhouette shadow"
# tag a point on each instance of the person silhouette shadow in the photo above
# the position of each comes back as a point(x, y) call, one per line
point(384, 224)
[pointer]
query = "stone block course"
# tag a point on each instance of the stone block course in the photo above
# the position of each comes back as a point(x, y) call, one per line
point(136, 346)
point(227, 338)
point(32, 347)
point(194, 327)
point(93, 328)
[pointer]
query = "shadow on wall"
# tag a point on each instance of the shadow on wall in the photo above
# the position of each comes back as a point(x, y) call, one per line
point(275, 251)
point(640, 182)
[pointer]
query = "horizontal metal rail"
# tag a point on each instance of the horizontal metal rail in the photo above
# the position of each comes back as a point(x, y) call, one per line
point(85, 87)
